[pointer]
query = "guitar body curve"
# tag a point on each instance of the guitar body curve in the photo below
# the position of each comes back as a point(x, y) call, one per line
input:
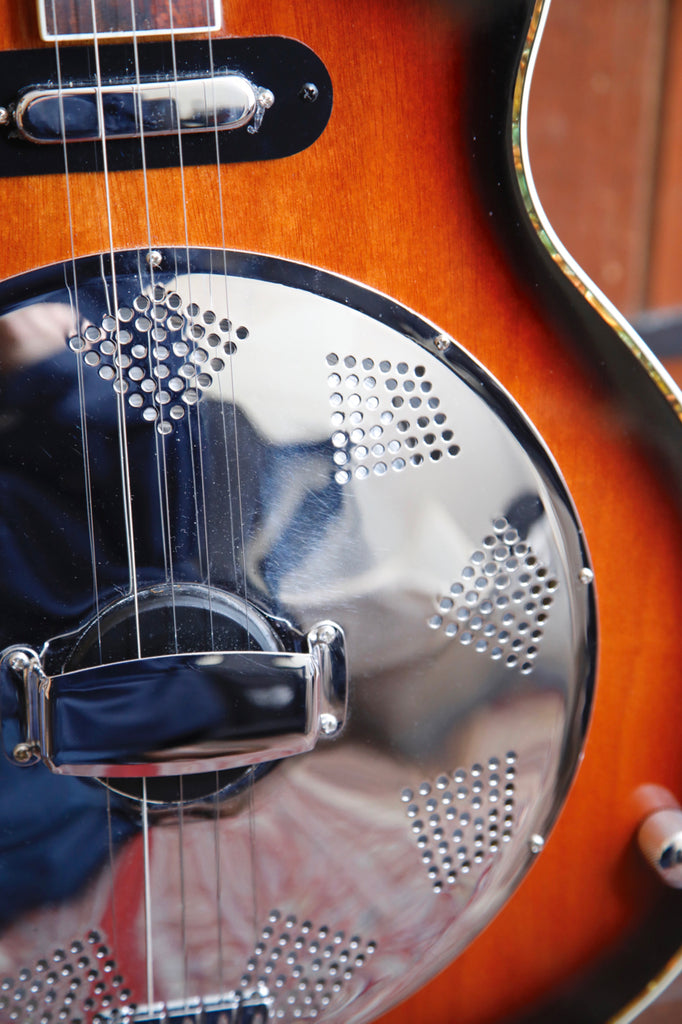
point(411, 190)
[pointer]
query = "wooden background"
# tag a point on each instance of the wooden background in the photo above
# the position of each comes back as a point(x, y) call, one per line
point(606, 150)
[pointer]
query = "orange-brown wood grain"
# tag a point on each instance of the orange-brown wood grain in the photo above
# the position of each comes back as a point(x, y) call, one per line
point(386, 196)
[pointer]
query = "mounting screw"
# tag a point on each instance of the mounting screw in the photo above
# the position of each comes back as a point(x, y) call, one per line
point(537, 843)
point(586, 575)
point(18, 661)
point(325, 635)
point(329, 724)
point(154, 258)
point(309, 92)
point(24, 752)
point(441, 341)
point(5, 116)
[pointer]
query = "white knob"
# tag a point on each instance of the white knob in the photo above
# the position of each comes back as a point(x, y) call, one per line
point(660, 840)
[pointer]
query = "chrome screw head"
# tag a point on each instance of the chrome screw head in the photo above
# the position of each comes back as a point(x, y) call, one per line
point(309, 92)
point(154, 258)
point(23, 753)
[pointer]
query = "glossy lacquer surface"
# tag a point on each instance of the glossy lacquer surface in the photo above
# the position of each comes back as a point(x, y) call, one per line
point(397, 194)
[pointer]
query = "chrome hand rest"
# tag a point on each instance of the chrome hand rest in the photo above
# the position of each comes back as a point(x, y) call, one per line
point(176, 714)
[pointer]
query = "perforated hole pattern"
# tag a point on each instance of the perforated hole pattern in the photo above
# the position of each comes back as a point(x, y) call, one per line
point(71, 985)
point(461, 819)
point(160, 354)
point(304, 966)
point(501, 602)
point(384, 417)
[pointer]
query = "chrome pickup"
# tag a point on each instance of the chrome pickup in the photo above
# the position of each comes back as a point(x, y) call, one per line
point(89, 113)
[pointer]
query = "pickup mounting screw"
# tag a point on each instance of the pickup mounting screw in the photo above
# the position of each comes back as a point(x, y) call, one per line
point(154, 258)
point(329, 724)
point(309, 92)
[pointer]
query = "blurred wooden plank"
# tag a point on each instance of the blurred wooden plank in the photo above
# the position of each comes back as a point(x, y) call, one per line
point(665, 285)
point(594, 123)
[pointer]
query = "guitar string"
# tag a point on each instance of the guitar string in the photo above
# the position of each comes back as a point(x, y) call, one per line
point(112, 872)
point(252, 867)
point(195, 446)
point(71, 287)
point(161, 461)
point(202, 477)
point(183, 903)
point(120, 389)
point(228, 478)
point(191, 446)
point(125, 478)
point(162, 488)
point(230, 362)
point(122, 430)
point(219, 887)
point(148, 934)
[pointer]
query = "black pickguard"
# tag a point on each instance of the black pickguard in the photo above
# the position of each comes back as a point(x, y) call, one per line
point(282, 65)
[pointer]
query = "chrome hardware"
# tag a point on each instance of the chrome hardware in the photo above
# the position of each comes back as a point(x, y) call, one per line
point(309, 92)
point(181, 713)
point(233, 85)
point(154, 258)
point(457, 840)
point(75, 113)
point(314, 963)
point(660, 840)
point(84, 977)
point(20, 716)
point(388, 484)
point(264, 101)
point(235, 1008)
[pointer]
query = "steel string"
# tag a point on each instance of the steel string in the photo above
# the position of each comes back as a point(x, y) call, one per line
point(242, 538)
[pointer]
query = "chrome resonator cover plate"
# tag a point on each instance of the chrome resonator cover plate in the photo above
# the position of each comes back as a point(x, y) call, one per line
point(210, 424)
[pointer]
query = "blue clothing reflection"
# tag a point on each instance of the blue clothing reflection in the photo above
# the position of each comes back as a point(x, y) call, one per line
point(64, 552)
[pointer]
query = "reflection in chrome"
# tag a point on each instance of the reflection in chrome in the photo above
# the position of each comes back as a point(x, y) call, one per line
point(384, 416)
point(234, 1008)
point(143, 109)
point(67, 983)
point(269, 508)
point(501, 601)
point(246, 707)
point(462, 819)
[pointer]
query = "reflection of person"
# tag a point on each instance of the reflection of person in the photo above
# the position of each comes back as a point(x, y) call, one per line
point(33, 333)
point(63, 536)
point(55, 830)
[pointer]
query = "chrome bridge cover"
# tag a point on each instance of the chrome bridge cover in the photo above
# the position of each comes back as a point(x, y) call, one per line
point(224, 430)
